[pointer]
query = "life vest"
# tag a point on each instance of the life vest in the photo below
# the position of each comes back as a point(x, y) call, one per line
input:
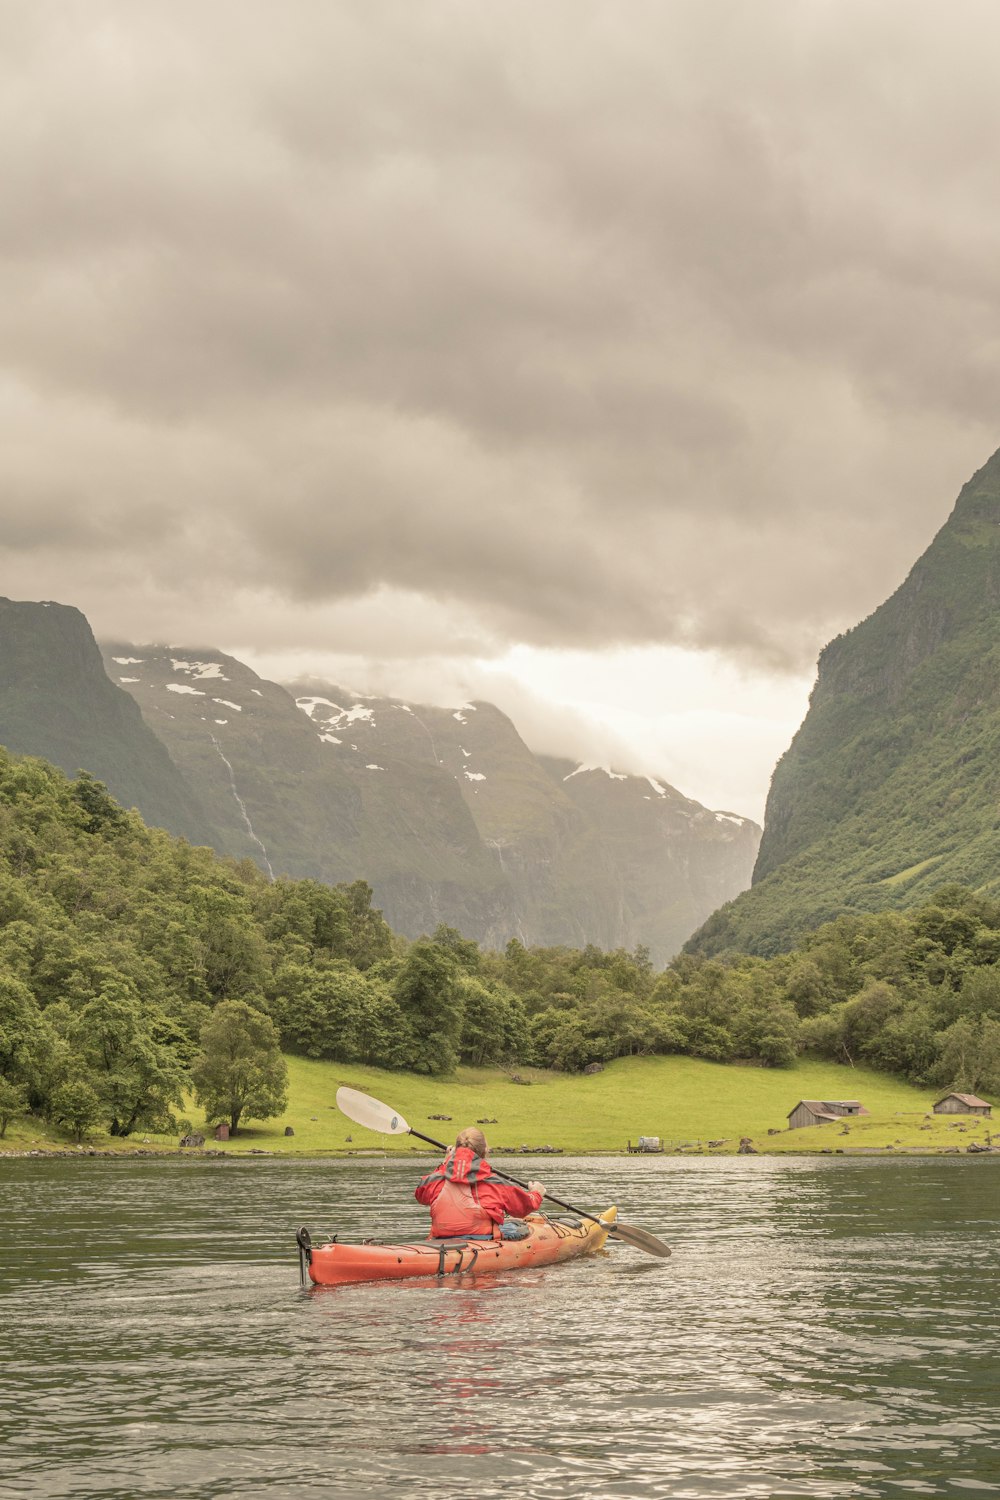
point(456, 1208)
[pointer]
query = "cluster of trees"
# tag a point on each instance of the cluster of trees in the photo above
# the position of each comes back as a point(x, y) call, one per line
point(135, 968)
point(132, 965)
point(915, 993)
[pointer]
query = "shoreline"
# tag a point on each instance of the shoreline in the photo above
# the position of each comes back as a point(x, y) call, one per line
point(154, 1153)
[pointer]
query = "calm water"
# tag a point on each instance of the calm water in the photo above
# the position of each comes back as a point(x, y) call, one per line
point(825, 1328)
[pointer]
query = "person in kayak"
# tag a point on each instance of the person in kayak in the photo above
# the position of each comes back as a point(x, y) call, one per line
point(465, 1199)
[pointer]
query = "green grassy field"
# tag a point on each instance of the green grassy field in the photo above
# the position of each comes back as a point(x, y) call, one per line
point(686, 1102)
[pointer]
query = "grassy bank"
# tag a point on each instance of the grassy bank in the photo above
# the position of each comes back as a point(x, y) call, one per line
point(686, 1102)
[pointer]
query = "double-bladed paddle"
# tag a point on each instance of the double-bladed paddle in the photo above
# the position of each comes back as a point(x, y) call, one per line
point(374, 1115)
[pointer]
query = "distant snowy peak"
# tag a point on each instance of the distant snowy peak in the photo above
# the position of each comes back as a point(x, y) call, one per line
point(404, 732)
point(585, 766)
point(199, 669)
point(592, 782)
point(338, 716)
point(190, 677)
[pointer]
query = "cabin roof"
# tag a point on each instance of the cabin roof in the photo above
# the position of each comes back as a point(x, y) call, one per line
point(969, 1099)
point(821, 1104)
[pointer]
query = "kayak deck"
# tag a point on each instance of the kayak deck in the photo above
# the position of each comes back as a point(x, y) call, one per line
point(548, 1242)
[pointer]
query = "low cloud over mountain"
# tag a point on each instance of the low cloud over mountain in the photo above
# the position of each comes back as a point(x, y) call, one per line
point(519, 325)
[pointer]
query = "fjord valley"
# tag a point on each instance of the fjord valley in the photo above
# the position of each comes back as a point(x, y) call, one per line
point(504, 926)
point(445, 812)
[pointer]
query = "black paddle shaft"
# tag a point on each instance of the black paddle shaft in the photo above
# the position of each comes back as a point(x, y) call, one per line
point(518, 1183)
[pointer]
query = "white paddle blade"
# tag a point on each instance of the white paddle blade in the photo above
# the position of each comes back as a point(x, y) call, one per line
point(371, 1113)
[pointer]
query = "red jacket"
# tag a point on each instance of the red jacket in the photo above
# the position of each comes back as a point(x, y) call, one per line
point(465, 1198)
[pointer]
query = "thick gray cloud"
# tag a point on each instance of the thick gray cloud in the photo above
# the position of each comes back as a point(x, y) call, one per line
point(573, 324)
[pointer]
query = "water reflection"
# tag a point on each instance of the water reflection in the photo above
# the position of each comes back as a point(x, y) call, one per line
point(825, 1328)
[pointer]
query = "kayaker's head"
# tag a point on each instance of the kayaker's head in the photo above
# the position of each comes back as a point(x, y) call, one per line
point(473, 1139)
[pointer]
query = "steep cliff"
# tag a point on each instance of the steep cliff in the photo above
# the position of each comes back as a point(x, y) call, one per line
point(56, 702)
point(892, 785)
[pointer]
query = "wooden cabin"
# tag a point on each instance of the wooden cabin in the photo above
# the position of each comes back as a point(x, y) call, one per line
point(822, 1111)
point(962, 1104)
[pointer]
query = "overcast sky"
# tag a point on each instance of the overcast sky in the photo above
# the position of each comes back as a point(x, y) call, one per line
point(602, 359)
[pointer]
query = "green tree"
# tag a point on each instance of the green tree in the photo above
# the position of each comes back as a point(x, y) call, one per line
point(969, 1055)
point(370, 936)
point(13, 1102)
point(329, 1009)
point(75, 1105)
point(494, 1025)
point(431, 1005)
point(136, 1077)
point(22, 1030)
point(240, 1072)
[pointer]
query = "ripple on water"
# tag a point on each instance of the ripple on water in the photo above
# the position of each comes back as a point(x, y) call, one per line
point(823, 1329)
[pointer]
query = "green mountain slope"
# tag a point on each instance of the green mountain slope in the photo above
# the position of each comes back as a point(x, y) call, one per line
point(56, 702)
point(892, 785)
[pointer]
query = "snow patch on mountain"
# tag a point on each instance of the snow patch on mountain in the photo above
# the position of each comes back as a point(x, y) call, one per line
point(182, 687)
point(590, 766)
point(473, 775)
point(129, 661)
point(129, 679)
point(224, 703)
point(309, 705)
point(199, 669)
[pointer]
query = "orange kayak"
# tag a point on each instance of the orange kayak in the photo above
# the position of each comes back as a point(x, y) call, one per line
point(549, 1241)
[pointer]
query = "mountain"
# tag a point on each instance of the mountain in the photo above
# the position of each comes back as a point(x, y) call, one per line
point(588, 855)
point(891, 787)
point(56, 702)
point(557, 883)
point(446, 812)
point(675, 858)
